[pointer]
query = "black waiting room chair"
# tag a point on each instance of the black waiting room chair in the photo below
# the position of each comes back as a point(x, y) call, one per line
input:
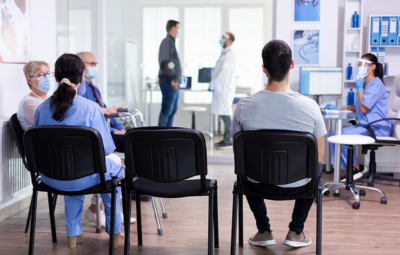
point(67, 153)
point(274, 157)
point(159, 162)
point(18, 136)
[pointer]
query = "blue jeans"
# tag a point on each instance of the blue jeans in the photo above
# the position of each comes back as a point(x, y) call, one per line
point(169, 104)
point(300, 210)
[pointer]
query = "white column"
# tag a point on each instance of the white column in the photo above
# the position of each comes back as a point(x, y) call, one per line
point(99, 43)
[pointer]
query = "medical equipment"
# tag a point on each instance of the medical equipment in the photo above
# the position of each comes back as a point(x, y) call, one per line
point(363, 66)
point(134, 115)
point(321, 81)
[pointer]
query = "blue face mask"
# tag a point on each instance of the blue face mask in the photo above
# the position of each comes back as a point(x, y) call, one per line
point(222, 42)
point(92, 72)
point(45, 83)
point(178, 33)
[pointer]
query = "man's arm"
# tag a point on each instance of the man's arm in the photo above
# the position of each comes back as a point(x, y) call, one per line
point(164, 58)
point(321, 148)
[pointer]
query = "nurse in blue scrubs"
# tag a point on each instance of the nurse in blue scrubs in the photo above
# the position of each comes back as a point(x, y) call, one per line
point(65, 107)
point(370, 105)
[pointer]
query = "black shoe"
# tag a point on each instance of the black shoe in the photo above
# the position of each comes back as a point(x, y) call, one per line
point(142, 197)
point(223, 144)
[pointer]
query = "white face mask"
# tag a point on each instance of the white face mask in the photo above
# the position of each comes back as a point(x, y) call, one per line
point(363, 68)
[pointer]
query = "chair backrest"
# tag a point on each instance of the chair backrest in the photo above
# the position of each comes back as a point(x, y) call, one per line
point(18, 135)
point(394, 108)
point(64, 152)
point(276, 157)
point(165, 154)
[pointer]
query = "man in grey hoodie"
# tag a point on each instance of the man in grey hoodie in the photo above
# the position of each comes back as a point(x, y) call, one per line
point(169, 75)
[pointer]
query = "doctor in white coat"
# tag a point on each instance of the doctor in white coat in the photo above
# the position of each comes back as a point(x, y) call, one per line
point(223, 84)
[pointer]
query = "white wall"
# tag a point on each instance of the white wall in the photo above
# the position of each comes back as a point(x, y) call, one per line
point(43, 47)
point(328, 26)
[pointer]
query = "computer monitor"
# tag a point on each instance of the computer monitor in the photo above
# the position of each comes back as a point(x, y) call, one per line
point(186, 82)
point(321, 81)
point(205, 75)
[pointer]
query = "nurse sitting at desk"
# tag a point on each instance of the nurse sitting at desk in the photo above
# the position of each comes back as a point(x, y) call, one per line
point(370, 105)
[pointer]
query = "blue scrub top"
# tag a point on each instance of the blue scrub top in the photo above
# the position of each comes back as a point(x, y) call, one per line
point(85, 113)
point(86, 91)
point(374, 99)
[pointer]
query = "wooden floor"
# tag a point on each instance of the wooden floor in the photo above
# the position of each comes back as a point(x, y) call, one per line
point(373, 229)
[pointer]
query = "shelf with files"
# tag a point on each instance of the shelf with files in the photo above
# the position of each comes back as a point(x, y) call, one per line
point(384, 41)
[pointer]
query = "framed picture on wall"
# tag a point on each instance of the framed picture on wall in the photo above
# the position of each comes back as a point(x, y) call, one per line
point(305, 47)
point(307, 10)
point(15, 31)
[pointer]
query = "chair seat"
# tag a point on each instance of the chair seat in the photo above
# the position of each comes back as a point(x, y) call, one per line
point(194, 108)
point(169, 190)
point(92, 190)
point(351, 139)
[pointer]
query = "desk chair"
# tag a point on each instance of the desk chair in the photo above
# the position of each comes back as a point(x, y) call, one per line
point(275, 157)
point(394, 116)
point(351, 140)
point(75, 152)
point(18, 135)
point(159, 162)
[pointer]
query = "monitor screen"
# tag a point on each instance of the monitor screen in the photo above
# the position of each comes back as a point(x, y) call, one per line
point(205, 75)
point(186, 82)
point(321, 80)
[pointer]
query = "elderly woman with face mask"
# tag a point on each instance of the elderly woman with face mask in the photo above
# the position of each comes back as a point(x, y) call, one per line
point(40, 82)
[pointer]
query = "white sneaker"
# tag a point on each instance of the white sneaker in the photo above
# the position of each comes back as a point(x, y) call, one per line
point(91, 216)
point(357, 175)
point(133, 220)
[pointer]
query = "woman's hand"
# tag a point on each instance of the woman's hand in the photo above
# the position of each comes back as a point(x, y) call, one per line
point(360, 84)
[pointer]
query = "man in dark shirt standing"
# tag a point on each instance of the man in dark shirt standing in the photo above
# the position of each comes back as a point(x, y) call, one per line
point(169, 75)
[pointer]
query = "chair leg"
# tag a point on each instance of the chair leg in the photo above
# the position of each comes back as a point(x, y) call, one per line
point(139, 221)
point(240, 220)
point(128, 200)
point(210, 221)
point(164, 211)
point(55, 196)
point(112, 220)
point(216, 230)
point(319, 222)
point(159, 228)
point(33, 223)
point(52, 220)
point(234, 223)
point(98, 224)
point(28, 219)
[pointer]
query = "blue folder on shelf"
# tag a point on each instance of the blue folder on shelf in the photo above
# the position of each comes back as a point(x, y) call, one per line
point(384, 30)
point(374, 50)
point(381, 55)
point(375, 30)
point(393, 27)
point(398, 32)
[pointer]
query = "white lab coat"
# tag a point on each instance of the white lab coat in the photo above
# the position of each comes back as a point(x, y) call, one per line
point(223, 83)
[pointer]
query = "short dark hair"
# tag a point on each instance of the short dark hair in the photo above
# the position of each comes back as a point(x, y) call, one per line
point(231, 36)
point(277, 59)
point(171, 23)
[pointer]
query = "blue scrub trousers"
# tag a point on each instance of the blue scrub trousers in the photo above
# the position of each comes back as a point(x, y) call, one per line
point(169, 105)
point(352, 130)
point(74, 204)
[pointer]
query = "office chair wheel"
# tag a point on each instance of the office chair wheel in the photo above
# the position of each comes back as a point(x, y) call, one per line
point(362, 192)
point(370, 184)
point(384, 200)
point(336, 194)
point(326, 193)
point(356, 205)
